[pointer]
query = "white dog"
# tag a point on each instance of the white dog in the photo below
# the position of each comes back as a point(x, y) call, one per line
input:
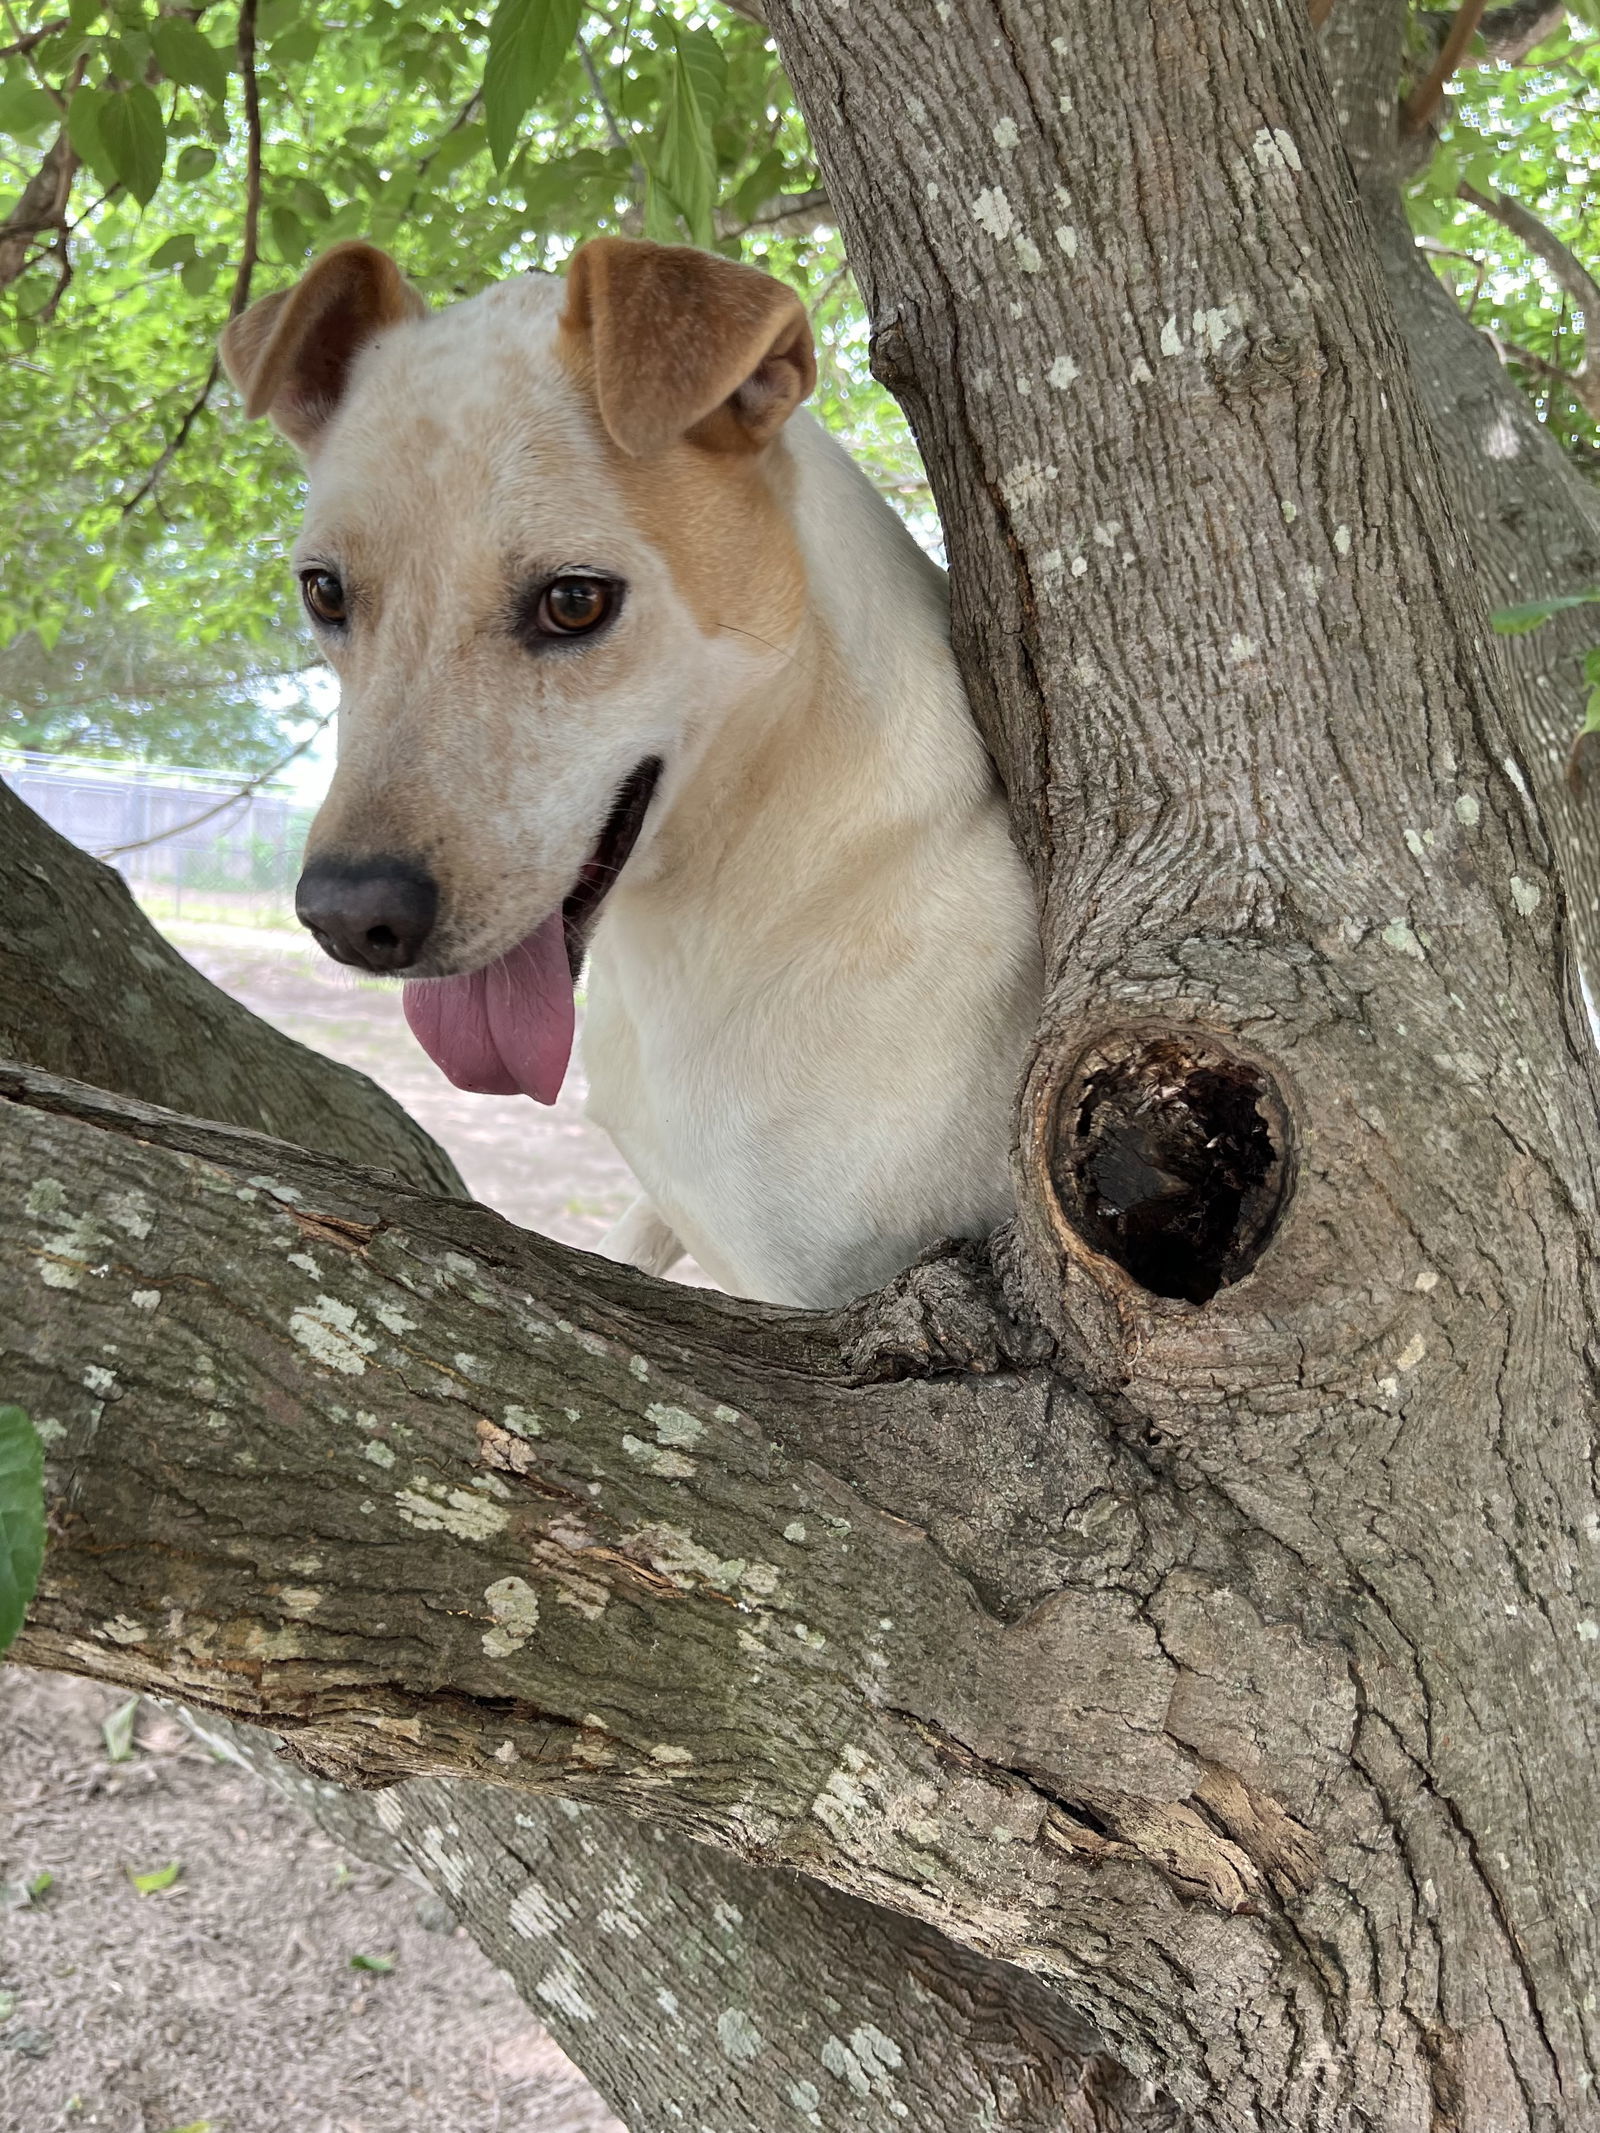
point(629, 648)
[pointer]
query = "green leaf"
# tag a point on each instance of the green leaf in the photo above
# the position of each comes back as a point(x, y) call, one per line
point(1533, 614)
point(117, 1732)
point(135, 135)
point(199, 275)
point(21, 1518)
point(41, 1885)
point(195, 2125)
point(311, 203)
point(528, 40)
point(455, 149)
point(183, 55)
point(685, 165)
point(289, 235)
point(707, 66)
point(381, 1964)
point(25, 109)
point(296, 47)
point(84, 132)
point(660, 213)
point(162, 1877)
point(195, 163)
point(172, 252)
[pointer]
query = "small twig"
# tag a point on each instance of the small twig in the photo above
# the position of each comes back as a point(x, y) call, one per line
point(455, 126)
point(252, 180)
point(247, 256)
point(781, 216)
point(1569, 270)
point(29, 38)
point(1420, 105)
point(619, 140)
point(234, 799)
point(61, 252)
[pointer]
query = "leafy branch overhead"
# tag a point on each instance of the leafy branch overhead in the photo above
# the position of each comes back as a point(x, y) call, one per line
point(478, 146)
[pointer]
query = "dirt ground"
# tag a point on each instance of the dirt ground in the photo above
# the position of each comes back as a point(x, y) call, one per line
point(547, 1169)
point(227, 2002)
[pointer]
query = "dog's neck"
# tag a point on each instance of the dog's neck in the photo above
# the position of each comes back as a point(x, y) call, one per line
point(863, 739)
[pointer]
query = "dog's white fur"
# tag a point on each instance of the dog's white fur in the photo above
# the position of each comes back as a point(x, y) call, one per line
point(811, 987)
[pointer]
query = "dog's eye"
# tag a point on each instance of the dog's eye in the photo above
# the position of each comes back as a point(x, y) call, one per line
point(573, 606)
point(324, 597)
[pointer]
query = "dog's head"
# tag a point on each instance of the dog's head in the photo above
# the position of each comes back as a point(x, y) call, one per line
point(544, 548)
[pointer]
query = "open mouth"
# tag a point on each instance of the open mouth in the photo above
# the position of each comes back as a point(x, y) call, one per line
point(507, 1029)
point(599, 871)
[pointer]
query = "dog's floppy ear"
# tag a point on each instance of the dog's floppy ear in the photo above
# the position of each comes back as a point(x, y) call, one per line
point(683, 344)
point(290, 354)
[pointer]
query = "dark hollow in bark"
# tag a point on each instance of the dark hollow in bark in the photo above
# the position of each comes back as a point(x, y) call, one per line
point(1166, 1163)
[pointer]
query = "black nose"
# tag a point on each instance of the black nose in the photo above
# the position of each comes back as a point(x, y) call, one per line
point(375, 913)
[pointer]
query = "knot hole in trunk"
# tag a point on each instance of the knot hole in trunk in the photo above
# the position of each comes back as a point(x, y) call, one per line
point(1171, 1156)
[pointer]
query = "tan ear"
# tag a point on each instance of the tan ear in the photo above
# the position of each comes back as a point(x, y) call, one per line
point(683, 344)
point(290, 354)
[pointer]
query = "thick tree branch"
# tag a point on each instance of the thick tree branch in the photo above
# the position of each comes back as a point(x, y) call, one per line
point(88, 988)
point(1219, 312)
point(1570, 274)
point(1530, 521)
point(29, 39)
point(570, 1560)
point(42, 208)
point(695, 1990)
point(1510, 33)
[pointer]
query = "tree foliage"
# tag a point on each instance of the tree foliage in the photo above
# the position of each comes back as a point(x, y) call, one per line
point(147, 521)
point(1527, 133)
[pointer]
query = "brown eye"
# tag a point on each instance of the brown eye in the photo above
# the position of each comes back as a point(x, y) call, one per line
point(324, 597)
point(572, 607)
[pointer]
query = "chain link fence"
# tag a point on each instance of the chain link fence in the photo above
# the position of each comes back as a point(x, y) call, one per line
point(191, 844)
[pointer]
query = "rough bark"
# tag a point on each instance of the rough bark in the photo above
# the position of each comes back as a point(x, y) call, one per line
point(1237, 1674)
point(1229, 652)
point(1531, 521)
point(714, 1993)
point(656, 1962)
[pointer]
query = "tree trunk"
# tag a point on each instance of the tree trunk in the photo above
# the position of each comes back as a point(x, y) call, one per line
point(1531, 521)
point(1235, 1673)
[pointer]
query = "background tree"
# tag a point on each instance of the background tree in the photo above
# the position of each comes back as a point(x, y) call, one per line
point(1229, 1671)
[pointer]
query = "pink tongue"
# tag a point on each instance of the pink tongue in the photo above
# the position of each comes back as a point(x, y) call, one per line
point(504, 1029)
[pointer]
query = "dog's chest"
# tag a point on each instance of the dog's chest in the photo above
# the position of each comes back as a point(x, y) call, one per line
point(804, 1131)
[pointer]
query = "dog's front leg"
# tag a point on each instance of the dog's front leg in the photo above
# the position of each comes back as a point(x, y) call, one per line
point(641, 1238)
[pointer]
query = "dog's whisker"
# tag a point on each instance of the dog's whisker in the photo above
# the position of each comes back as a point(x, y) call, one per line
point(733, 629)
